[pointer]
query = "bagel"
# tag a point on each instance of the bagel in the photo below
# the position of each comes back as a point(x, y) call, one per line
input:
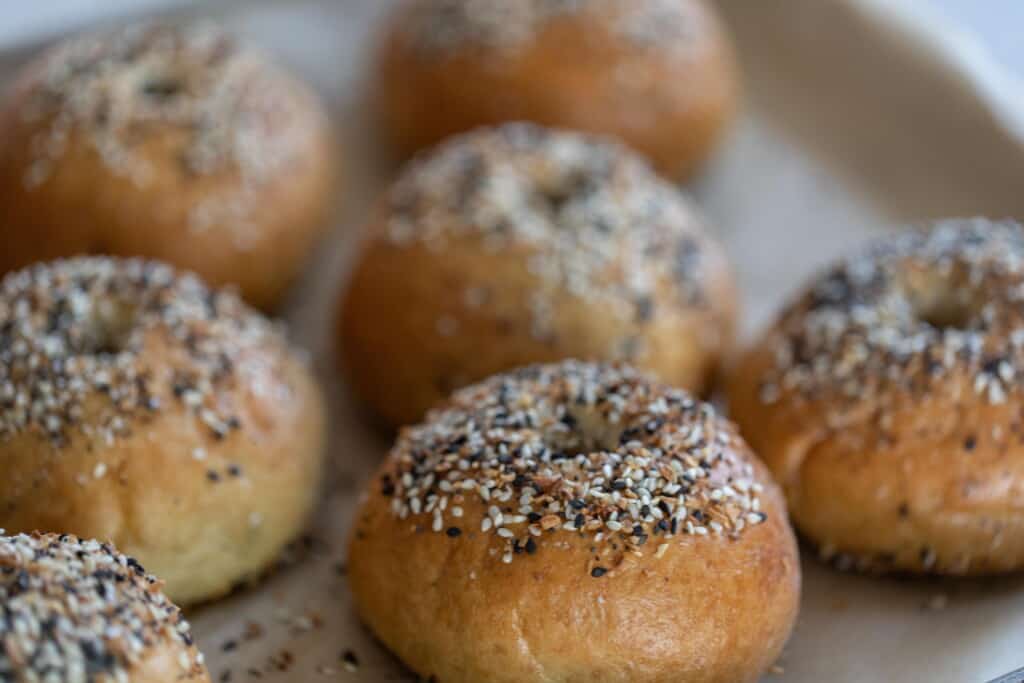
point(658, 74)
point(887, 401)
point(171, 142)
point(520, 245)
point(575, 522)
point(140, 407)
point(78, 610)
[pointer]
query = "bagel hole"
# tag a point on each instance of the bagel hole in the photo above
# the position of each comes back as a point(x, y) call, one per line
point(161, 89)
point(587, 432)
point(943, 308)
point(110, 328)
point(560, 191)
point(943, 298)
point(161, 84)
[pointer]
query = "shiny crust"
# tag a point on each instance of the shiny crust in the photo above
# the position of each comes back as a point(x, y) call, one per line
point(712, 607)
point(79, 183)
point(910, 461)
point(420, 319)
point(670, 101)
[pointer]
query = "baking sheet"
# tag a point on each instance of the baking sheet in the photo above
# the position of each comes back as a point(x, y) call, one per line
point(852, 123)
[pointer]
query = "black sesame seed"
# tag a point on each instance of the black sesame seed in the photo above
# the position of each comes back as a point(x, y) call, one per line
point(644, 309)
point(598, 572)
point(454, 532)
point(560, 483)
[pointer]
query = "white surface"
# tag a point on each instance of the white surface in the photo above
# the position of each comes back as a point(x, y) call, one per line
point(971, 39)
point(997, 22)
point(853, 121)
point(21, 21)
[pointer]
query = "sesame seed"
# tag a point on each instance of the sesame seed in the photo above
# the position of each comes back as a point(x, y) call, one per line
point(447, 326)
point(551, 474)
point(862, 334)
point(446, 27)
point(95, 607)
point(349, 660)
point(75, 331)
point(590, 214)
point(232, 110)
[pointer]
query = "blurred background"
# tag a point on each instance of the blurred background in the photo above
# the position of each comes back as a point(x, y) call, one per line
point(995, 25)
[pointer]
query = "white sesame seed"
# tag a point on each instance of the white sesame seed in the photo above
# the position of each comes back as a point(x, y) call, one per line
point(547, 490)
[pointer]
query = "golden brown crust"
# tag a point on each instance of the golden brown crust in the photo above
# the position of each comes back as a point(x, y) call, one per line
point(886, 401)
point(659, 74)
point(518, 245)
point(194, 441)
point(76, 610)
point(564, 572)
point(170, 143)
